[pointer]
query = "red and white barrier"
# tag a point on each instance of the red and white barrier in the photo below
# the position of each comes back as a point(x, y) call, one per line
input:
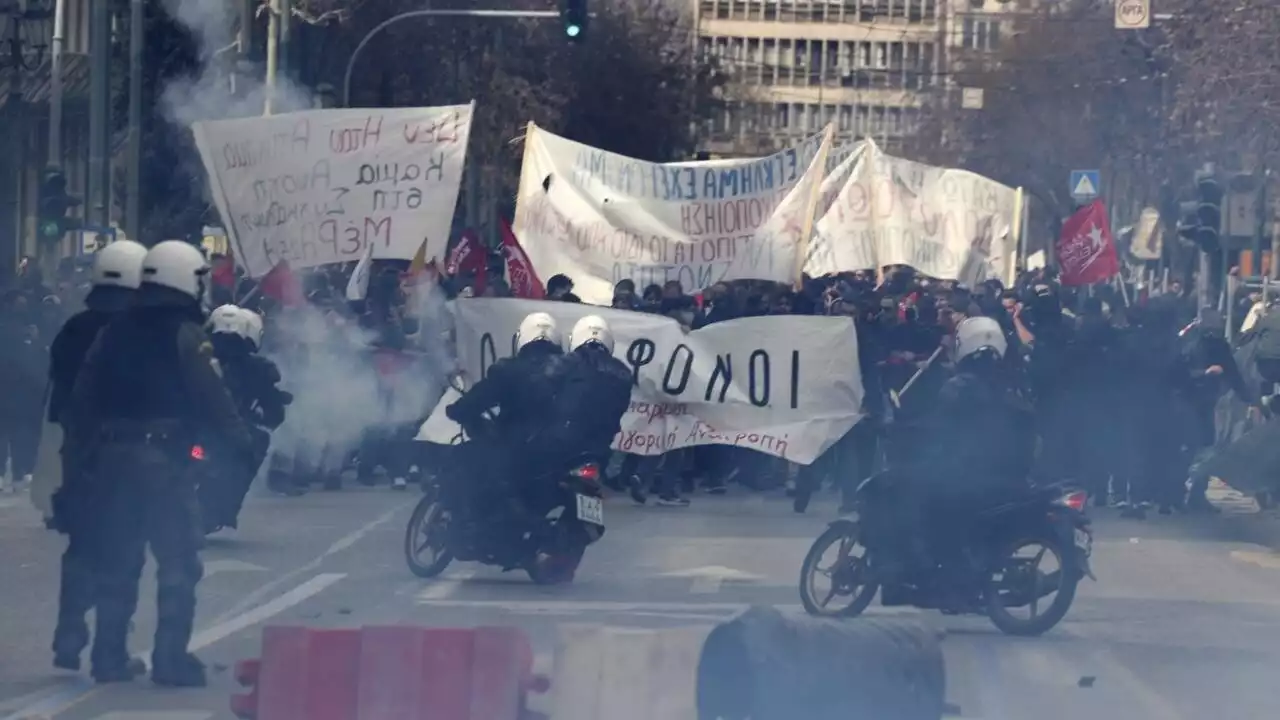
point(612, 673)
point(387, 673)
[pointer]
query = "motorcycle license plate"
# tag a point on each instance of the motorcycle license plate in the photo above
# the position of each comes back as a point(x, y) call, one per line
point(591, 510)
point(1084, 541)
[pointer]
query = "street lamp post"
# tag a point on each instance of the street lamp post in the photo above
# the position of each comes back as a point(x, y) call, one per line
point(351, 63)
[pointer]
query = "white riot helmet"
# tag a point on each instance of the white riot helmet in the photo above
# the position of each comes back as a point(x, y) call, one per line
point(176, 265)
point(225, 319)
point(252, 327)
point(537, 326)
point(591, 329)
point(119, 265)
point(978, 334)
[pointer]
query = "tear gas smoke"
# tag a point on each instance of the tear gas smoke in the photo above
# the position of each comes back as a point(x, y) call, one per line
point(326, 361)
point(208, 95)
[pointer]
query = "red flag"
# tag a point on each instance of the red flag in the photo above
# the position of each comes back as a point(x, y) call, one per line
point(281, 285)
point(224, 271)
point(524, 281)
point(469, 256)
point(1086, 251)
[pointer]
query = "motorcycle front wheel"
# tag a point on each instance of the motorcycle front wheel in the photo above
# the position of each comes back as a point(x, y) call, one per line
point(427, 531)
point(848, 574)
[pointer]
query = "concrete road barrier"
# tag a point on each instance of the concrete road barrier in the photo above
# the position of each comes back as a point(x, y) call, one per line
point(764, 665)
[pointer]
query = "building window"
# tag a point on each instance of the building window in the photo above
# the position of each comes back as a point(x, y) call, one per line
point(980, 34)
point(846, 119)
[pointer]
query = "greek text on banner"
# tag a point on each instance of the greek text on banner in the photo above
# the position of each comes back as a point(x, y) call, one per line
point(786, 386)
point(877, 210)
point(599, 217)
point(319, 186)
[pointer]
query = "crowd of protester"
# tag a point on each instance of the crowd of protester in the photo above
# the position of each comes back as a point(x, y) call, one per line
point(1123, 391)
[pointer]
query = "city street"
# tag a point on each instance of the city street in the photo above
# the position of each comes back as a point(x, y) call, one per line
point(1183, 624)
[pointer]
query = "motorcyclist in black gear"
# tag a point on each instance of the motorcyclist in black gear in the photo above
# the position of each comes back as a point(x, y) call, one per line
point(236, 334)
point(147, 392)
point(596, 393)
point(117, 273)
point(522, 389)
point(976, 450)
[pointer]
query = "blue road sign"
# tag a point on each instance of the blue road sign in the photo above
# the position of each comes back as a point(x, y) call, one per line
point(1085, 184)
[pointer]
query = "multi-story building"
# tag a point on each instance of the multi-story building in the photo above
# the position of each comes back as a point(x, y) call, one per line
point(864, 65)
point(868, 66)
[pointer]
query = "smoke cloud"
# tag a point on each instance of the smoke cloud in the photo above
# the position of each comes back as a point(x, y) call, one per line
point(209, 95)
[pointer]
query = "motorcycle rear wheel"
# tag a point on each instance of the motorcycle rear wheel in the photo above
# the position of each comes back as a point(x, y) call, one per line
point(1068, 579)
point(428, 523)
point(863, 593)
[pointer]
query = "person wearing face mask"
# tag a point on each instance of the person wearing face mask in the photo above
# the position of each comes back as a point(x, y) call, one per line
point(147, 393)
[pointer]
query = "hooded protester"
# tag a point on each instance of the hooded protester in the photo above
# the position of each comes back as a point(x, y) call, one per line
point(117, 273)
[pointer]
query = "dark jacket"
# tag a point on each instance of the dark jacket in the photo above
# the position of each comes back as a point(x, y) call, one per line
point(595, 394)
point(153, 366)
point(252, 380)
point(522, 388)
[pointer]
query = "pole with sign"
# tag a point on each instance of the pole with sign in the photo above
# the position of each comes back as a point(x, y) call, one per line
point(1133, 14)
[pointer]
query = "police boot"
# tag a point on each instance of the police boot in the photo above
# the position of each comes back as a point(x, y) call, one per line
point(171, 664)
point(177, 670)
point(111, 661)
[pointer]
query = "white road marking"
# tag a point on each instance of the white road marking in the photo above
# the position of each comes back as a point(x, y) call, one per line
point(341, 544)
point(443, 587)
point(67, 694)
point(233, 625)
point(707, 580)
point(158, 715)
point(570, 607)
point(216, 567)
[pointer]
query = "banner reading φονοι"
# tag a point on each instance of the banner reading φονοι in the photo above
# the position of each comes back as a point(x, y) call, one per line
point(787, 386)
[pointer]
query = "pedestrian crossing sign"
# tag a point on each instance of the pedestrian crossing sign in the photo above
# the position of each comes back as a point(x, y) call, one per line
point(1085, 185)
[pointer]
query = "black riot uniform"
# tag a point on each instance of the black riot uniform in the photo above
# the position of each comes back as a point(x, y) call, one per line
point(147, 391)
point(252, 381)
point(73, 513)
point(594, 396)
point(522, 388)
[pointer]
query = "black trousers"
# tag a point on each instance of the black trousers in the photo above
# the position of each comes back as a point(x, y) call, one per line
point(150, 502)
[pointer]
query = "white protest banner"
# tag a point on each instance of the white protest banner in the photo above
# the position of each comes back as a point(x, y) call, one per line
point(319, 186)
point(878, 210)
point(784, 385)
point(599, 217)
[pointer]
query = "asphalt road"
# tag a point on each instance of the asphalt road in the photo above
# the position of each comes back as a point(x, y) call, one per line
point(1183, 624)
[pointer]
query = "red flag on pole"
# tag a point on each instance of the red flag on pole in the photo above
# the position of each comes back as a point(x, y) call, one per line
point(523, 280)
point(281, 285)
point(1086, 250)
point(469, 256)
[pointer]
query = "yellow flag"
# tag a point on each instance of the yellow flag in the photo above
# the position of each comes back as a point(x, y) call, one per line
point(419, 262)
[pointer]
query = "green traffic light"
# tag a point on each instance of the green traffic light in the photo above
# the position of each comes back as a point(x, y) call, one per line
point(51, 229)
point(573, 30)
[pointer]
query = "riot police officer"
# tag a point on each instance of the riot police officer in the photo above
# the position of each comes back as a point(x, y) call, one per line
point(117, 273)
point(148, 389)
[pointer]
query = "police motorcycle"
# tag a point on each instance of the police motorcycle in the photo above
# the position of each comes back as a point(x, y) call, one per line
point(565, 514)
point(994, 567)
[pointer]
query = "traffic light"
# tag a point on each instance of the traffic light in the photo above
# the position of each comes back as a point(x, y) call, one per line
point(1200, 220)
point(55, 203)
point(573, 13)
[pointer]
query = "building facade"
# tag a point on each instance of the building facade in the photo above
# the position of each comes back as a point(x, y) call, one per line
point(870, 67)
point(26, 28)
